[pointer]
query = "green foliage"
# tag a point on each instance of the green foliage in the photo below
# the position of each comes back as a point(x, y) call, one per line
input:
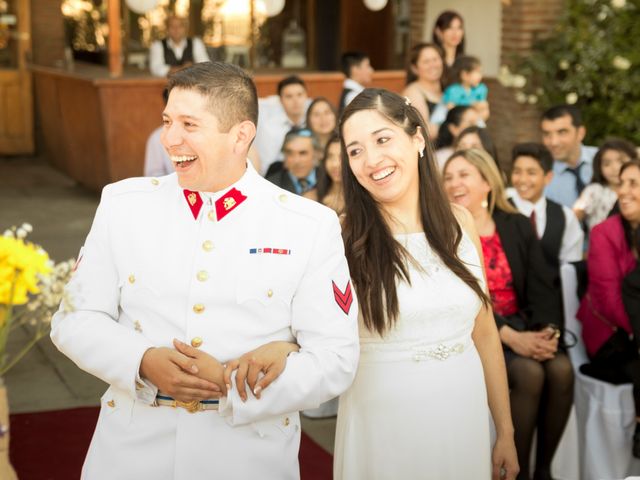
point(592, 58)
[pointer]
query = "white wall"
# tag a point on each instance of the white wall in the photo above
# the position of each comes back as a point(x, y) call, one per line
point(482, 24)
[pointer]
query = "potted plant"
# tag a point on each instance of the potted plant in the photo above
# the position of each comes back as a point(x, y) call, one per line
point(31, 290)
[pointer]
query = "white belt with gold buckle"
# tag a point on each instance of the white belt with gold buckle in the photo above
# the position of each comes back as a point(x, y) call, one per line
point(191, 407)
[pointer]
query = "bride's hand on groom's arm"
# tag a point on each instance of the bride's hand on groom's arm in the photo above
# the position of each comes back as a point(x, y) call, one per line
point(208, 368)
point(269, 360)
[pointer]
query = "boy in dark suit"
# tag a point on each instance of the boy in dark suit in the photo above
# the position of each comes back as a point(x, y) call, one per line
point(556, 225)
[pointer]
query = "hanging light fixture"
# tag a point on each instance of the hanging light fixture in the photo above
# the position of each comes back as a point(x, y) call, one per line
point(141, 6)
point(273, 7)
point(375, 5)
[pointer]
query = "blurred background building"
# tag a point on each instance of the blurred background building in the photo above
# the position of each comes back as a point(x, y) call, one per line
point(74, 81)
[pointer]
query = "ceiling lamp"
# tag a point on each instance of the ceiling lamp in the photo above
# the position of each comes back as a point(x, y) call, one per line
point(375, 5)
point(273, 7)
point(141, 6)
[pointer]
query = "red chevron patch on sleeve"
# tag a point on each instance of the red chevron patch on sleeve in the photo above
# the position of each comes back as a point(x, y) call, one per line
point(343, 299)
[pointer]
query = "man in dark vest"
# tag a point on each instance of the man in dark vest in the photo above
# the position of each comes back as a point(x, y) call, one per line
point(176, 51)
point(556, 225)
point(356, 66)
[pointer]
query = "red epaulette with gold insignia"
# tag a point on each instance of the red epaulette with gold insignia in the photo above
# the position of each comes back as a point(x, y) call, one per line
point(229, 202)
point(195, 202)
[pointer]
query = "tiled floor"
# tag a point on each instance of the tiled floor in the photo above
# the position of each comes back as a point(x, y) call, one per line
point(61, 213)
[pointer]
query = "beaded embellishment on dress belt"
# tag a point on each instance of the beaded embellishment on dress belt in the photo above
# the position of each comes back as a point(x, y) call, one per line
point(441, 352)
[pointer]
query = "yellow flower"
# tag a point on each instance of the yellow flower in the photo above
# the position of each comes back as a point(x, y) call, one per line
point(21, 266)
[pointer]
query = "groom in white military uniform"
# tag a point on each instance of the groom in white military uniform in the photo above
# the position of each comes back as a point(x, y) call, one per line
point(216, 257)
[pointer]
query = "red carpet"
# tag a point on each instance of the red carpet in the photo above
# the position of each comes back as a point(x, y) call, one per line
point(52, 446)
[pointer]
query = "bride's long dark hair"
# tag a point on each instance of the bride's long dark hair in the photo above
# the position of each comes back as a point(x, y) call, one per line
point(375, 258)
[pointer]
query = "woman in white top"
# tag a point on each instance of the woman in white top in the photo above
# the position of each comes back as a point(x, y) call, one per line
point(424, 84)
point(598, 198)
point(431, 365)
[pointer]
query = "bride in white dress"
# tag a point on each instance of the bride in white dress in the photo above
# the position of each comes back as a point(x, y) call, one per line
point(431, 361)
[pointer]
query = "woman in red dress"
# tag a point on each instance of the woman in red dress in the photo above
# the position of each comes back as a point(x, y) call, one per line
point(526, 304)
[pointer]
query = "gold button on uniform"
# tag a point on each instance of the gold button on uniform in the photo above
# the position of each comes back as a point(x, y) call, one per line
point(286, 421)
point(132, 279)
point(202, 275)
point(155, 181)
point(137, 326)
point(196, 342)
point(111, 403)
point(283, 198)
point(207, 246)
point(211, 215)
point(198, 308)
point(269, 293)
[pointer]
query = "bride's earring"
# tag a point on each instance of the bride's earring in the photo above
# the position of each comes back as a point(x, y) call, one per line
point(484, 203)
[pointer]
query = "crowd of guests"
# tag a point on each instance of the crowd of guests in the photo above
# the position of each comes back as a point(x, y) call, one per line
point(553, 202)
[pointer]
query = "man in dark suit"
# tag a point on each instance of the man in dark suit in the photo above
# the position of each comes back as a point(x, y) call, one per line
point(298, 172)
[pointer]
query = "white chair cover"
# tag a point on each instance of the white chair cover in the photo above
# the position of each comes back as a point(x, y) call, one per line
point(605, 412)
point(566, 461)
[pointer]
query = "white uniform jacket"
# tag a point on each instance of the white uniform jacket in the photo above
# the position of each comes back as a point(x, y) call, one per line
point(231, 271)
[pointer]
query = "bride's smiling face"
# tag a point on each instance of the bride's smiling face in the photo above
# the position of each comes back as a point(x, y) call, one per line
point(382, 156)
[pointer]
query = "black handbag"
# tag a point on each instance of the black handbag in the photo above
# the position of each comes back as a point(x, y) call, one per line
point(631, 301)
point(619, 345)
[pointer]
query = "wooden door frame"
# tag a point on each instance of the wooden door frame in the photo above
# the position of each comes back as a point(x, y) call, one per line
point(24, 33)
point(17, 136)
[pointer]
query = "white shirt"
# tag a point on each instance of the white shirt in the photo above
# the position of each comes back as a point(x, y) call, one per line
point(571, 246)
point(273, 125)
point(156, 160)
point(159, 68)
point(355, 88)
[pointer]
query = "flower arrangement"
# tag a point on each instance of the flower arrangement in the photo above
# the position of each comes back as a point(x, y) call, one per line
point(31, 290)
point(590, 59)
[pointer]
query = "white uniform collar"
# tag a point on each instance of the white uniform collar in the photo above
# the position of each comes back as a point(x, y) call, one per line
point(226, 200)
